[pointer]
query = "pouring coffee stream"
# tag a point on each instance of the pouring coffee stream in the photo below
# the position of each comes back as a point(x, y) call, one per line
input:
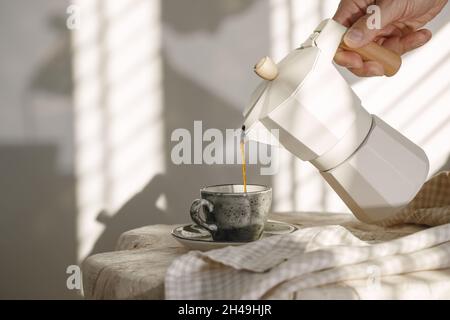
point(244, 171)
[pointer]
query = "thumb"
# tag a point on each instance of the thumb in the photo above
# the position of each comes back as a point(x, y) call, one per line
point(364, 31)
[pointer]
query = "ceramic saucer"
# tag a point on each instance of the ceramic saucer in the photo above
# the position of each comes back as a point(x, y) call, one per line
point(196, 238)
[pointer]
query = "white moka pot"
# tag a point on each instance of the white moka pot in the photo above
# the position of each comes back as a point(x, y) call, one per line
point(373, 168)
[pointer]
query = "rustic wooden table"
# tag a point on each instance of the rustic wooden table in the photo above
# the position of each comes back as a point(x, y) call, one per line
point(137, 268)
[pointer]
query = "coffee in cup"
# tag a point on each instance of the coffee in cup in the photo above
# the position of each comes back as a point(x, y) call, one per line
point(230, 214)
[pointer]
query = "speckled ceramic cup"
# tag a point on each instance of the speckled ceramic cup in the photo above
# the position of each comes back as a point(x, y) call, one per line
point(232, 214)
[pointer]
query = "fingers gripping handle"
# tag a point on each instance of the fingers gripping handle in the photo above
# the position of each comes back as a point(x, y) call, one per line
point(196, 205)
point(390, 60)
point(328, 38)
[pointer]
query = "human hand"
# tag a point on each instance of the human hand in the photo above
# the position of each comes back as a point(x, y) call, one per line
point(400, 31)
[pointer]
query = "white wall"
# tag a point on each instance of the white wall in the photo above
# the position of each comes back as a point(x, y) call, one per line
point(37, 187)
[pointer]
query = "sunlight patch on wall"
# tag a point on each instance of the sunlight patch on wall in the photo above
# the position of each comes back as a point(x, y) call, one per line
point(118, 107)
point(280, 46)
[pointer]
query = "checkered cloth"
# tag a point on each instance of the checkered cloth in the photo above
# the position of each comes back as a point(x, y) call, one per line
point(280, 267)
